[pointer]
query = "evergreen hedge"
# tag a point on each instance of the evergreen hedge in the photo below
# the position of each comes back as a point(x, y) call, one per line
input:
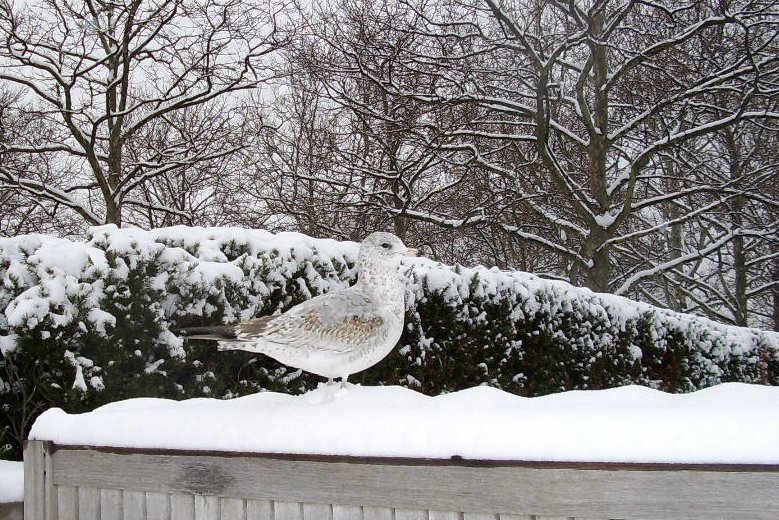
point(86, 323)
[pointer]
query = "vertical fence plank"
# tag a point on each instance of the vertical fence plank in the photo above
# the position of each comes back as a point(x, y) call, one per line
point(48, 483)
point(259, 510)
point(206, 507)
point(134, 505)
point(411, 514)
point(515, 517)
point(34, 481)
point(157, 506)
point(344, 512)
point(88, 503)
point(317, 511)
point(111, 504)
point(287, 510)
point(444, 515)
point(232, 508)
point(377, 513)
point(67, 503)
point(482, 516)
point(182, 506)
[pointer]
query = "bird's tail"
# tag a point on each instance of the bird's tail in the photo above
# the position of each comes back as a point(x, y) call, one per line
point(218, 333)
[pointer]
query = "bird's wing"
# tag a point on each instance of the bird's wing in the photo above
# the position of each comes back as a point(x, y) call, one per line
point(335, 322)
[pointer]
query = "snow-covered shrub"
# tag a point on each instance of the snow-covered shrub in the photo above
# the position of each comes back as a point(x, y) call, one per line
point(82, 324)
point(532, 336)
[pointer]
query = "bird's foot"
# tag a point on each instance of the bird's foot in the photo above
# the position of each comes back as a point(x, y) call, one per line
point(329, 384)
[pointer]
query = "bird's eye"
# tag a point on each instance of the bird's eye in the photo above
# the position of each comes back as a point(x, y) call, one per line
point(386, 245)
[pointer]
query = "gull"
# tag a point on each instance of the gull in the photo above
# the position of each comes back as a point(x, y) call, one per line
point(335, 334)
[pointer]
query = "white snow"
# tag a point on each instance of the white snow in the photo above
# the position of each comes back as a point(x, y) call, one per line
point(11, 481)
point(606, 219)
point(7, 344)
point(729, 423)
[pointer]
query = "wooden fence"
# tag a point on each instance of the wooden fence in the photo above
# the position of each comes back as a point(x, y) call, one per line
point(82, 482)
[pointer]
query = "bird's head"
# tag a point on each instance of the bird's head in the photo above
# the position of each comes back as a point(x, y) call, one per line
point(384, 247)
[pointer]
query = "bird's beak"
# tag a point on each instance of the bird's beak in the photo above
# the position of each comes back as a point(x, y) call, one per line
point(410, 251)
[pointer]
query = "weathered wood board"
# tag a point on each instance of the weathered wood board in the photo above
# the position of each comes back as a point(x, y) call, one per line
point(85, 483)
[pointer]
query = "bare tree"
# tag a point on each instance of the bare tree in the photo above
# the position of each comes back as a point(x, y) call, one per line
point(130, 93)
point(24, 211)
point(596, 94)
point(585, 141)
point(349, 155)
point(735, 282)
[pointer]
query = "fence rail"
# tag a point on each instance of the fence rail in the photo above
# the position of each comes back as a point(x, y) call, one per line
point(81, 482)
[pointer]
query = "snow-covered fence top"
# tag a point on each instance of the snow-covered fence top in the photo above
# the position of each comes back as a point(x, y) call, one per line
point(732, 423)
point(383, 453)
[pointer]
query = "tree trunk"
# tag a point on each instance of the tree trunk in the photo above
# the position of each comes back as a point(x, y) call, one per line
point(113, 214)
point(599, 271)
point(740, 313)
point(739, 266)
point(598, 252)
point(671, 212)
point(775, 290)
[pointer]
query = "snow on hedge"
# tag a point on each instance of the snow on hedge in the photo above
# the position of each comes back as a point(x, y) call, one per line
point(86, 323)
point(52, 281)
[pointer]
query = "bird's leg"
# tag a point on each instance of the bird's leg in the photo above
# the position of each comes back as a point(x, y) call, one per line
point(343, 382)
point(329, 381)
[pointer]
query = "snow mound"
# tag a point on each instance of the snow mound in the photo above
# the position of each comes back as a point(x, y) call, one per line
point(11, 481)
point(729, 423)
